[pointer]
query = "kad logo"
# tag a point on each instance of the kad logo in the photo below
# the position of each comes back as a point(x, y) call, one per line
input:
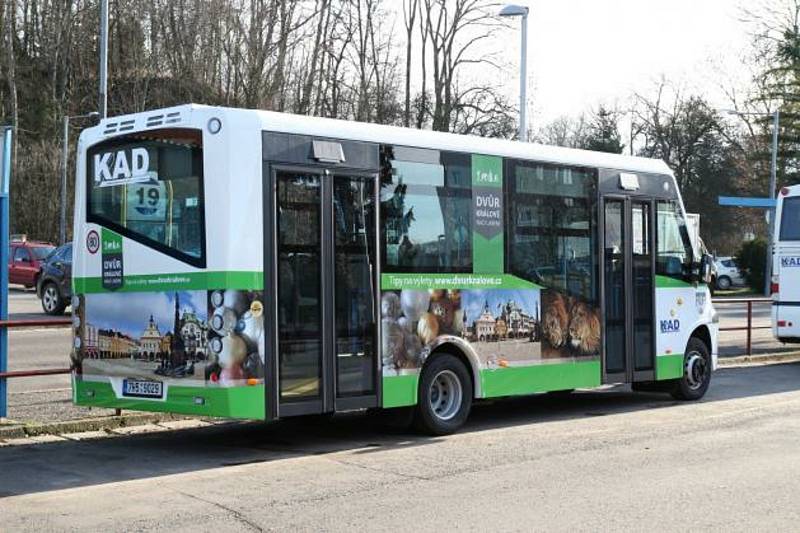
point(789, 262)
point(114, 168)
point(670, 326)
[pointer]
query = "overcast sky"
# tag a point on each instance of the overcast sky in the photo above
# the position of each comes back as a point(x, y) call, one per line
point(583, 52)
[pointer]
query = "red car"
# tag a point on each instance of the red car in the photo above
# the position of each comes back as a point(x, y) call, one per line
point(25, 259)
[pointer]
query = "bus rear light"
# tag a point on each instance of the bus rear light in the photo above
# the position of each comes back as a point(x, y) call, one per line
point(784, 191)
point(774, 288)
point(781, 323)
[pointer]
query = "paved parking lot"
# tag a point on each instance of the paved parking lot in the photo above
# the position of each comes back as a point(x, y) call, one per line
point(601, 460)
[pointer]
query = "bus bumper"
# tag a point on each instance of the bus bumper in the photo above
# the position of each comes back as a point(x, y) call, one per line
point(246, 402)
point(786, 322)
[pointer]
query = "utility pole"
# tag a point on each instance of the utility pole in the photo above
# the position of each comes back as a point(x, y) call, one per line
point(773, 171)
point(103, 104)
point(62, 226)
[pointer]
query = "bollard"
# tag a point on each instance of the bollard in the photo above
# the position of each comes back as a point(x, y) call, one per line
point(5, 181)
point(749, 326)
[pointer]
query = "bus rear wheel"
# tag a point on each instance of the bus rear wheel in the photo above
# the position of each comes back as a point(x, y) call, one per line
point(696, 372)
point(445, 395)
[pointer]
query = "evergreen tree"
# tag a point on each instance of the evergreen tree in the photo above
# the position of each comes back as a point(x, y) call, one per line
point(603, 134)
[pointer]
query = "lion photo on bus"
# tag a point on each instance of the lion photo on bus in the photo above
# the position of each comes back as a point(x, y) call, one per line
point(570, 326)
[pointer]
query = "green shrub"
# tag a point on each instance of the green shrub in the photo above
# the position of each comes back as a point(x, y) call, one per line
point(751, 258)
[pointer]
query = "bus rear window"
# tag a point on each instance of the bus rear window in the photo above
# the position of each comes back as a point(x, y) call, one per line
point(790, 219)
point(149, 187)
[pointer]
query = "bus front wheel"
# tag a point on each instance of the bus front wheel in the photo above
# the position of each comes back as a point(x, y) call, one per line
point(445, 395)
point(696, 372)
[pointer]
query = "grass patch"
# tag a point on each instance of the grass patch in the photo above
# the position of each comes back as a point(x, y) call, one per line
point(738, 292)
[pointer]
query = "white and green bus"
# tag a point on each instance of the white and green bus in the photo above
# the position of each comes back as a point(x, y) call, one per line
point(259, 265)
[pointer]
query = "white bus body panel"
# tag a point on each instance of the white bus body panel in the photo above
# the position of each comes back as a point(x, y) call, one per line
point(239, 205)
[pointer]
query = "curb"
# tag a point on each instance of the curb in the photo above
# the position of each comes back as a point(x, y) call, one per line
point(84, 424)
point(760, 359)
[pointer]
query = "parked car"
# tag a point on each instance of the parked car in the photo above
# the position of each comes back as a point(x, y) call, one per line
point(25, 259)
point(728, 273)
point(54, 286)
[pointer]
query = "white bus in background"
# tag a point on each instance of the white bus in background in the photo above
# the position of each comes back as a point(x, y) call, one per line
point(785, 283)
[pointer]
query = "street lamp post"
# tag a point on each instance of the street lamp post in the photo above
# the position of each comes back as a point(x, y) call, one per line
point(513, 10)
point(103, 78)
point(62, 226)
point(773, 171)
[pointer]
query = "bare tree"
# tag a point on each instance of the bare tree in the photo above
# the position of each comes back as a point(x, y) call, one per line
point(455, 29)
point(409, 19)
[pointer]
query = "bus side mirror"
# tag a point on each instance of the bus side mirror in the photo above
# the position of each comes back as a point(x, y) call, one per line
point(705, 268)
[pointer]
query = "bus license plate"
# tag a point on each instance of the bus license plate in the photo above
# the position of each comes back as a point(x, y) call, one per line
point(142, 389)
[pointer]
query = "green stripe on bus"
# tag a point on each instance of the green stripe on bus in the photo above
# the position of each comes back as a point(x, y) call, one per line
point(514, 381)
point(487, 214)
point(665, 282)
point(241, 280)
point(454, 281)
point(669, 366)
point(232, 402)
point(400, 391)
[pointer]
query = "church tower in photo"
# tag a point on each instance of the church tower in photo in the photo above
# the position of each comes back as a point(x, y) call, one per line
point(178, 349)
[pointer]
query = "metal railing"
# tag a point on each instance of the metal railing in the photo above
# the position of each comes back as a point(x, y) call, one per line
point(32, 323)
point(749, 327)
point(34, 372)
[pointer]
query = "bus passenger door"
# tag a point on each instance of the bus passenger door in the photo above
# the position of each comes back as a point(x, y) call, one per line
point(628, 290)
point(325, 355)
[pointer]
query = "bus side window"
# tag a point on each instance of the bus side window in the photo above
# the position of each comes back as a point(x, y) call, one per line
point(674, 250)
point(551, 232)
point(426, 214)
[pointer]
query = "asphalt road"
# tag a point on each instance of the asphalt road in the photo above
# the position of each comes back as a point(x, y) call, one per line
point(603, 460)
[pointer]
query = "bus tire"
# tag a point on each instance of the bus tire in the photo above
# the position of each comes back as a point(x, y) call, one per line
point(445, 395)
point(696, 372)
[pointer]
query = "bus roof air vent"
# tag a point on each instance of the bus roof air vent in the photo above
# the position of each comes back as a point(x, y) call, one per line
point(161, 119)
point(127, 125)
point(154, 120)
point(111, 127)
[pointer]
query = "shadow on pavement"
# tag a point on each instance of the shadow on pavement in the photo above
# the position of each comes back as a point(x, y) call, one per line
point(68, 464)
